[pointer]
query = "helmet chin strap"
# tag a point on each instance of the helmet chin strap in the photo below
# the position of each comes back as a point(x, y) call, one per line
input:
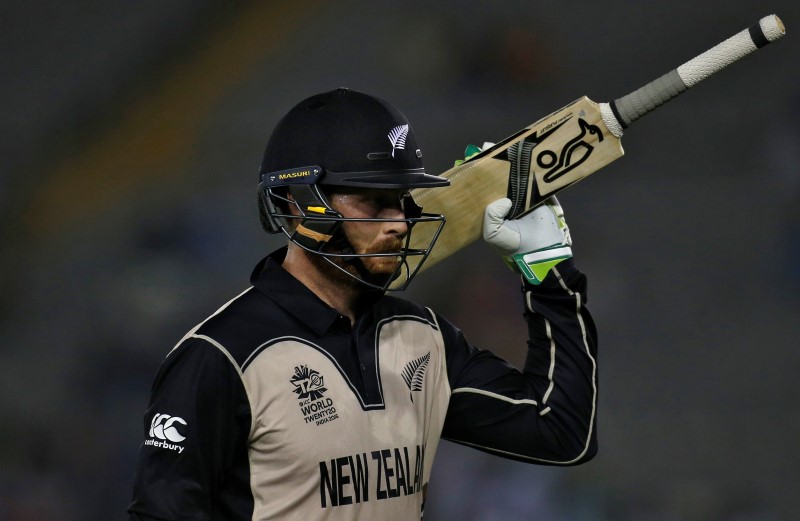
point(313, 233)
point(341, 246)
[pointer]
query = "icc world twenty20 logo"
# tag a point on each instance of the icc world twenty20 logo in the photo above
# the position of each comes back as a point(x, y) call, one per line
point(308, 383)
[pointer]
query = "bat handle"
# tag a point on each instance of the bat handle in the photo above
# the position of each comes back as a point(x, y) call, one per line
point(620, 113)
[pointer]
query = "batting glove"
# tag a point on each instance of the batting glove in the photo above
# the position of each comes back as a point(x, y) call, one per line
point(532, 244)
point(473, 150)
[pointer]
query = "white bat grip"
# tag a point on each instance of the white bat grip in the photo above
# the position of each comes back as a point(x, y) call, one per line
point(623, 111)
point(734, 48)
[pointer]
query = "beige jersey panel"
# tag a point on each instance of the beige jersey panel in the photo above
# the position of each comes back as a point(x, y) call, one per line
point(319, 450)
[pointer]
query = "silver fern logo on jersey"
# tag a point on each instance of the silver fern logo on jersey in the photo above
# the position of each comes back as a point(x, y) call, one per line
point(397, 137)
point(414, 374)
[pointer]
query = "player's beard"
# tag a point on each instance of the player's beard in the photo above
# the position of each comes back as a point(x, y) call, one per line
point(377, 271)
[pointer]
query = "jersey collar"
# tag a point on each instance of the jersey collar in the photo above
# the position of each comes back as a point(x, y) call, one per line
point(290, 294)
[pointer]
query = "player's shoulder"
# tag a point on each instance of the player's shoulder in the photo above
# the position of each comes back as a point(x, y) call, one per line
point(390, 307)
point(389, 304)
point(399, 308)
point(242, 324)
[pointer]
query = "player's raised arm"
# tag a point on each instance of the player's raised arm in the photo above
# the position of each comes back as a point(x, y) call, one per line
point(546, 413)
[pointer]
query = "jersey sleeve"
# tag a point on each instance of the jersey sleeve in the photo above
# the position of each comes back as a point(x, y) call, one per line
point(545, 413)
point(196, 427)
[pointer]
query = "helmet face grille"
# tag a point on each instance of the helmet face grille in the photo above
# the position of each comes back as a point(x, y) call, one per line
point(316, 226)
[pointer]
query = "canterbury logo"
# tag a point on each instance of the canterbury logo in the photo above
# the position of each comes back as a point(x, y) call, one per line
point(165, 427)
point(414, 374)
point(397, 137)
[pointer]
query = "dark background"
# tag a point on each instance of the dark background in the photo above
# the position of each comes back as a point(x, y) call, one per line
point(132, 133)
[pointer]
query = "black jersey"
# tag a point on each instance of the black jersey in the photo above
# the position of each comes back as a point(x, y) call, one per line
point(276, 407)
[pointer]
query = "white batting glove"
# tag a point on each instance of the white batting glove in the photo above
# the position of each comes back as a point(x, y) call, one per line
point(531, 244)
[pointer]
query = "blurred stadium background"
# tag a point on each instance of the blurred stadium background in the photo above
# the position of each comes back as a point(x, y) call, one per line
point(131, 138)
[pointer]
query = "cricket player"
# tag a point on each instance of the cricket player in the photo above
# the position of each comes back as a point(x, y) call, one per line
point(316, 394)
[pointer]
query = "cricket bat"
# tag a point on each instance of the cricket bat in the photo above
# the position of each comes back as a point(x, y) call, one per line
point(561, 149)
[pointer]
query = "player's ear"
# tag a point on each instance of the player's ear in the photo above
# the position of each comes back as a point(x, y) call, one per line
point(291, 204)
point(285, 204)
point(285, 201)
point(291, 209)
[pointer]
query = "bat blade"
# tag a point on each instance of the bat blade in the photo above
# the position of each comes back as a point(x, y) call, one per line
point(561, 149)
point(557, 151)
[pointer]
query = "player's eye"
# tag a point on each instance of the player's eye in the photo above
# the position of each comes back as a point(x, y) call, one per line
point(388, 200)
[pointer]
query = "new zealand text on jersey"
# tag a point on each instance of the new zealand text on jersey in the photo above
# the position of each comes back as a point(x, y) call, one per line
point(385, 473)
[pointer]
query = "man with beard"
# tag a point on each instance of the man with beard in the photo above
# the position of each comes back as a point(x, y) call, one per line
point(314, 394)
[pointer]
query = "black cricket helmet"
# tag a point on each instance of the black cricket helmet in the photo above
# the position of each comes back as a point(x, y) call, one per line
point(342, 140)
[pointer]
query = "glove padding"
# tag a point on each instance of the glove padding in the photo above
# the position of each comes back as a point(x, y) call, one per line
point(532, 244)
point(472, 151)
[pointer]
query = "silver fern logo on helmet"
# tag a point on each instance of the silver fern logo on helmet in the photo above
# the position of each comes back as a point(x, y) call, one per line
point(397, 137)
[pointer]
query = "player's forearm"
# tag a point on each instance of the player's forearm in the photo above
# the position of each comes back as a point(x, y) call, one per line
point(545, 414)
point(562, 357)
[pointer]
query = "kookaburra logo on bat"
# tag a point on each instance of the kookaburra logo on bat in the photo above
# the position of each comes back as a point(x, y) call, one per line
point(574, 152)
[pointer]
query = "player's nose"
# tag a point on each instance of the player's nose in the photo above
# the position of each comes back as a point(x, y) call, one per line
point(397, 225)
